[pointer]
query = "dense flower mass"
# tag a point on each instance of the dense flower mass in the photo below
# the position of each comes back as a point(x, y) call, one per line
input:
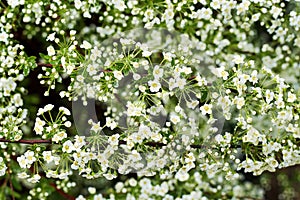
point(167, 100)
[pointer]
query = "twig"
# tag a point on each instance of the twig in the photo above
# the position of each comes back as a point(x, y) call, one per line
point(27, 141)
point(152, 144)
point(10, 181)
point(160, 144)
point(44, 65)
point(11, 188)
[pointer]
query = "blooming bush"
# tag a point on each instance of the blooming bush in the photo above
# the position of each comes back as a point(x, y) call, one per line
point(147, 100)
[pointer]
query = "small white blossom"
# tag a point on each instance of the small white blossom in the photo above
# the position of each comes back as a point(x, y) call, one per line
point(51, 51)
point(68, 147)
point(154, 85)
point(238, 59)
point(118, 75)
point(86, 45)
point(51, 37)
point(206, 109)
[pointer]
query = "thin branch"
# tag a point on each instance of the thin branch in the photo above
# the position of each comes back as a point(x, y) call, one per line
point(160, 144)
point(11, 188)
point(152, 144)
point(10, 181)
point(44, 65)
point(27, 141)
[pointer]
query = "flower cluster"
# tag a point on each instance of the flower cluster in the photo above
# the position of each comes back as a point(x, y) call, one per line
point(191, 93)
point(51, 128)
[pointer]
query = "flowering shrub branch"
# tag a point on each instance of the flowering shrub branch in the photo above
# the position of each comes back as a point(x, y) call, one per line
point(193, 96)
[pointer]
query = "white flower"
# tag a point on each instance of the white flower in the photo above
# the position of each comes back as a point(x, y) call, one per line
point(243, 78)
point(92, 190)
point(78, 4)
point(192, 104)
point(169, 14)
point(47, 156)
point(291, 97)
point(59, 136)
point(145, 183)
point(96, 127)
point(26, 18)
point(79, 141)
point(86, 45)
point(146, 53)
point(148, 15)
point(238, 59)
point(253, 77)
point(144, 131)
point(158, 72)
point(221, 72)
point(51, 51)
point(182, 175)
point(252, 136)
point(134, 156)
point(119, 186)
point(204, 13)
point(181, 82)
point(40, 111)
point(68, 147)
point(73, 32)
point(111, 123)
point(114, 139)
point(14, 3)
point(269, 96)
point(80, 78)
point(18, 101)
point(2, 167)
point(275, 11)
point(133, 109)
point(215, 4)
point(39, 122)
point(38, 126)
point(255, 17)
point(51, 37)
point(174, 119)
point(48, 107)
point(35, 179)
point(109, 176)
point(91, 69)
point(168, 56)
point(69, 69)
point(3, 37)
point(136, 76)
point(30, 157)
point(80, 197)
point(172, 84)
point(68, 124)
point(23, 175)
point(9, 85)
point(240, 102)
point(22, 161)
point(98, 197)
point(64, 110)
point(118, 75)
point(119, 4)
point(154, 85)
point(206, 109)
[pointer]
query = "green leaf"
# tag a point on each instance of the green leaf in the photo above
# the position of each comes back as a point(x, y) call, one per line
point(16, 184)
point(45, 57)
point(30, 65)
point(11, 192)
point(26, 70)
